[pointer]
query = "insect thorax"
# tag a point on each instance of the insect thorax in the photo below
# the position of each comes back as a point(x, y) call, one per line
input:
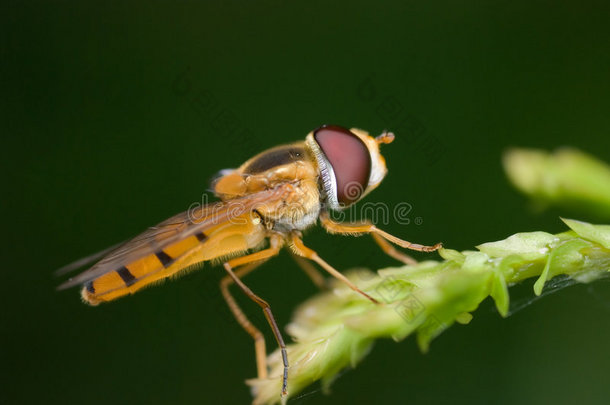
point(289, 164)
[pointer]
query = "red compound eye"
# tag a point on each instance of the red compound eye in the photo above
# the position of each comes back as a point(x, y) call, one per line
point(349, 158)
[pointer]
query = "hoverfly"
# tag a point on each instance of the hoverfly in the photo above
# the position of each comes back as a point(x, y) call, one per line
point(268, 201)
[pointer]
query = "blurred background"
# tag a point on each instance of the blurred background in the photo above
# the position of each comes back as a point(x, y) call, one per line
point(115, 116)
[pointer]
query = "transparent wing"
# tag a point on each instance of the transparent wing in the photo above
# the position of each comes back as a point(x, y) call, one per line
point(77, 264)
point(170, 231)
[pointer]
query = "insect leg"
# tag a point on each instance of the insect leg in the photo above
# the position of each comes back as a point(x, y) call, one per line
point(365, 227)
point(391, 251)
point(264, 254)
point(311, 271)
point(306, 252)
point(259, 339)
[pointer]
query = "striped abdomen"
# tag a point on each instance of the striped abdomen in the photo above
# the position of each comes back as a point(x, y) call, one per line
point(229, 238)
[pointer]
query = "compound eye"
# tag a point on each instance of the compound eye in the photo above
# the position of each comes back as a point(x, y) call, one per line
point(349, 158)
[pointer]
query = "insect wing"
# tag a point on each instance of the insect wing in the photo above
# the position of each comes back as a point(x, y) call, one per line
point(174, 230)
point(77, 264)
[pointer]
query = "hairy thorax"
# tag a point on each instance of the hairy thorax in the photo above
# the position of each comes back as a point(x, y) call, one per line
point(291, 165)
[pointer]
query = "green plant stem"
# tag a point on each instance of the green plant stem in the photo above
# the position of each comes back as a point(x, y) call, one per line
point(336, 329)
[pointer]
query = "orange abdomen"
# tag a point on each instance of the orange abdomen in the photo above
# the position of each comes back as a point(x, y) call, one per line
point(226, 239)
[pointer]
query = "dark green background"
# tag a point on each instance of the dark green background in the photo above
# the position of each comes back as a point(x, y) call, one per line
point(114, 117)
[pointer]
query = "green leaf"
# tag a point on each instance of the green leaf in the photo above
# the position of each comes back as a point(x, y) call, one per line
point(450, 254)
point(566, 258)
point(530, 245)
point(499, 288)
point(595, 233)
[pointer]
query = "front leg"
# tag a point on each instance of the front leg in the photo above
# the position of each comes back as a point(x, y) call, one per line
point(366, 227)
point(302, 250)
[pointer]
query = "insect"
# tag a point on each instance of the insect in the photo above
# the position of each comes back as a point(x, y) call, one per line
point(265, 204)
